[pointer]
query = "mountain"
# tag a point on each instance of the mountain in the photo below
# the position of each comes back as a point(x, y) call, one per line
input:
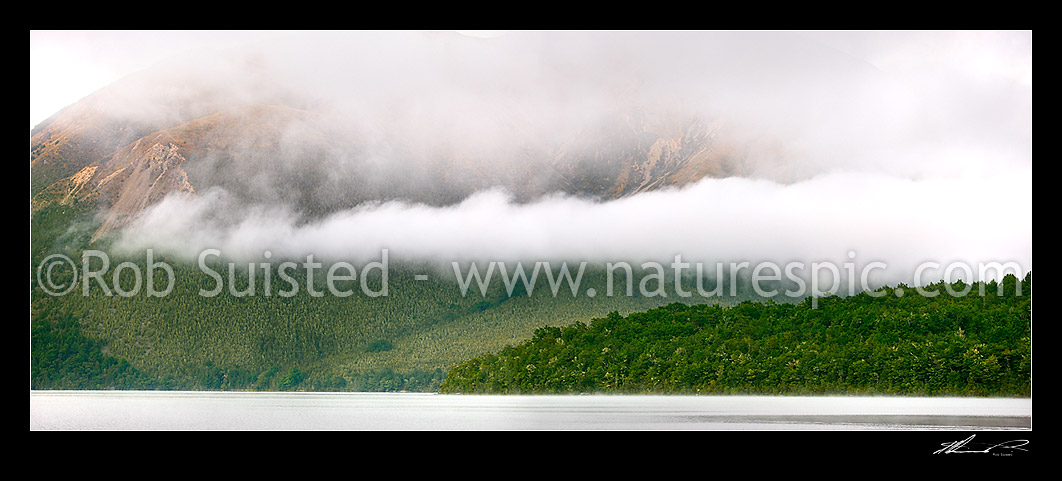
point(173, 130)
point(317, 133)
point(250, 151)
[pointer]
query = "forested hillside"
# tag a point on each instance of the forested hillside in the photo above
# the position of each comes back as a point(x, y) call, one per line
point(184, 340)
point(262, 340)
point(899, 343)
point(409, 340)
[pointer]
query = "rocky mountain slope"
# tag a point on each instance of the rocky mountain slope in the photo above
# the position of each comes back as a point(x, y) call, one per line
point(249, 151)
point(167, 131)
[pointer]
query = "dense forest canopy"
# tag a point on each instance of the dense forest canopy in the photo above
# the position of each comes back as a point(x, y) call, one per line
point(897, 343)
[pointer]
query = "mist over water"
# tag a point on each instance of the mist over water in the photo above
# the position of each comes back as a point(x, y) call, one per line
point(911, 154)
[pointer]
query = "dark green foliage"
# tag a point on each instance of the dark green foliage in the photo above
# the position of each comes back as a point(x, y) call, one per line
point(61, 358)
point(388, 380)
point(380, 345)
point(291, 380)
point(910, 344)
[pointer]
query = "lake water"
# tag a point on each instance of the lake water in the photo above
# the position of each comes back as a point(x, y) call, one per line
point(164, 410)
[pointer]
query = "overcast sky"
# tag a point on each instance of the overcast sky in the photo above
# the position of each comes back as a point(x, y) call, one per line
point(67, 65)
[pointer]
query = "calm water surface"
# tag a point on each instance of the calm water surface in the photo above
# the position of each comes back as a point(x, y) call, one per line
point(153, 410)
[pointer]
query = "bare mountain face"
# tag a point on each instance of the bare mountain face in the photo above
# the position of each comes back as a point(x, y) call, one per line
point(174, 130)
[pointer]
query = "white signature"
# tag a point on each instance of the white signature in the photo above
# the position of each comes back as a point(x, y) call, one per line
point(965, 446)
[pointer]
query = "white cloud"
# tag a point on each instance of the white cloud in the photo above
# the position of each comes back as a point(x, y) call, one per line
point(922, 141)
point(901, 222)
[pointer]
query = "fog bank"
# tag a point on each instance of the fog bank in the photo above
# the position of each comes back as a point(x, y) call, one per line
point(919, 145)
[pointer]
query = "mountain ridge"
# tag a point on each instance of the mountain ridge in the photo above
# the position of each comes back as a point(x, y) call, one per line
point(284, 151)
point(449, 117)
